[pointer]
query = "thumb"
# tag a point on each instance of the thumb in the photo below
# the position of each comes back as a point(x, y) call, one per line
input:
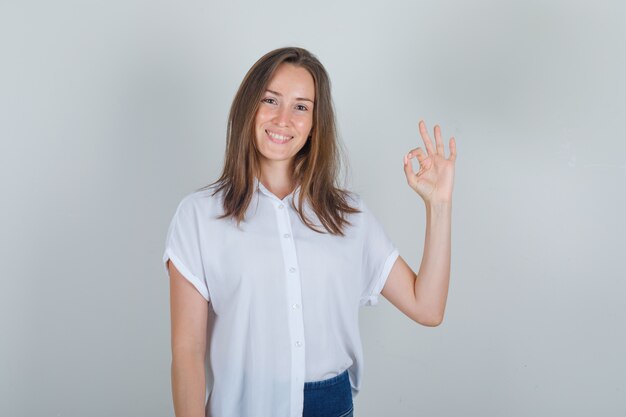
point(408, 166)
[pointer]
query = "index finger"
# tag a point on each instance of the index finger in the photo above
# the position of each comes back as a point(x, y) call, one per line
point(427, 141)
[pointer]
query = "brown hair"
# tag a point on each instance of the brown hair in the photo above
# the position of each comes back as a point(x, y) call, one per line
point(315, 165)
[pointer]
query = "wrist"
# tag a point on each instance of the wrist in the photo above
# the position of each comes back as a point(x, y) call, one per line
point(439, 204)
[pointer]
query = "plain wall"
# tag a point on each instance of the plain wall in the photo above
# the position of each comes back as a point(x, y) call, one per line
point(112, 111)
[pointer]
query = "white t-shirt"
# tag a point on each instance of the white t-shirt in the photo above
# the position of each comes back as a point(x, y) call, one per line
point(286, 298)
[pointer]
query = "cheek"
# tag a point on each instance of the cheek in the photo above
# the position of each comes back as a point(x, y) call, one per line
point(305, 125)
point(258, 128)
point(262, 116)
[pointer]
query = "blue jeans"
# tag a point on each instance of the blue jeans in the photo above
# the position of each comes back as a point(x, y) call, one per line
point(329, 398)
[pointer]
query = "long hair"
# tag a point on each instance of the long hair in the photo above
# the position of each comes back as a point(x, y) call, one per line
point(315, 166)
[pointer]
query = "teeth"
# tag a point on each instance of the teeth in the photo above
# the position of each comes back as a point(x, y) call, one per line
point(277, 136)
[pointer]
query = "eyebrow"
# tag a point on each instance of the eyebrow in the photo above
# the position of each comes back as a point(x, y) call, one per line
point(297, 98)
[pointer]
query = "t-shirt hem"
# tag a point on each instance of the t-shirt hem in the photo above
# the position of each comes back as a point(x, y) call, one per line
point(372, 299)
point(195, 281)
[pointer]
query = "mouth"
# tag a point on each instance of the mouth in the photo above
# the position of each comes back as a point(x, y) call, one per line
point(276, 138)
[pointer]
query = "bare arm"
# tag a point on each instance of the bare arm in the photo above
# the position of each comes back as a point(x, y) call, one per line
point(422, 296)
point(189, 320)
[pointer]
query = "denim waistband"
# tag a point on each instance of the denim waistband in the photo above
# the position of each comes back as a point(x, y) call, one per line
point(342, 378)
point(331, 397)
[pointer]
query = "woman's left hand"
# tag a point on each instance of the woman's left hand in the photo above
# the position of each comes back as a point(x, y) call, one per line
point(435, 178)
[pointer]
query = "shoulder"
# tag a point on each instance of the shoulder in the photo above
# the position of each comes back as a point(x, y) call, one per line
point(352, 198)
point(356, 200)
point(366, 217)
point(203, 201)
point(359, 218)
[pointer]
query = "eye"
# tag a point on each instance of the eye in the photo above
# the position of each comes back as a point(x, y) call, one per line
point(301, 107)
point(266, 100)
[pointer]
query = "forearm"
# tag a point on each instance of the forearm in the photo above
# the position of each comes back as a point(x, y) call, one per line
point(433, 278)
point(188, 384)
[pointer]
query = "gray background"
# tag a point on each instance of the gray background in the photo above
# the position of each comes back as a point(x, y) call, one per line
point(112, 111)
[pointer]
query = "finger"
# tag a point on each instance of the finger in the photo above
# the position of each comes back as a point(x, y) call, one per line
point(427, 142)
point(418, 153)
point(452, 149)
point(438, 141)
point(408, 169)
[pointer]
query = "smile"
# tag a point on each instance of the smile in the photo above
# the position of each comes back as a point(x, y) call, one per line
point(276, 138)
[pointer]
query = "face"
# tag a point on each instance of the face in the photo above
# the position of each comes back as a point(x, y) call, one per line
point(285, 115)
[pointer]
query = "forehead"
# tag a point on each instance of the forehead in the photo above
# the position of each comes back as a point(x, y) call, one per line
point(292, 80)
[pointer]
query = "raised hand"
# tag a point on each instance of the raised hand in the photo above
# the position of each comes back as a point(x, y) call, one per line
point(435, 178)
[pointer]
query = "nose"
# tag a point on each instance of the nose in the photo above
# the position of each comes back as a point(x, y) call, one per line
point(282, 116)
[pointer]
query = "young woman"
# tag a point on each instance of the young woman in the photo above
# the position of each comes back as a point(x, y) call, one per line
point(283, 258)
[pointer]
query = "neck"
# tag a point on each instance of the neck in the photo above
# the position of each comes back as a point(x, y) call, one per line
point(278, 178)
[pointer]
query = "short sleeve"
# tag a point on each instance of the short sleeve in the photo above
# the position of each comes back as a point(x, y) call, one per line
point(183, 246)
point(379, 255)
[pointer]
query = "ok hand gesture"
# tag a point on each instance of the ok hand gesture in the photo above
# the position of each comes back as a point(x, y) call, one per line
point(435, 178)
